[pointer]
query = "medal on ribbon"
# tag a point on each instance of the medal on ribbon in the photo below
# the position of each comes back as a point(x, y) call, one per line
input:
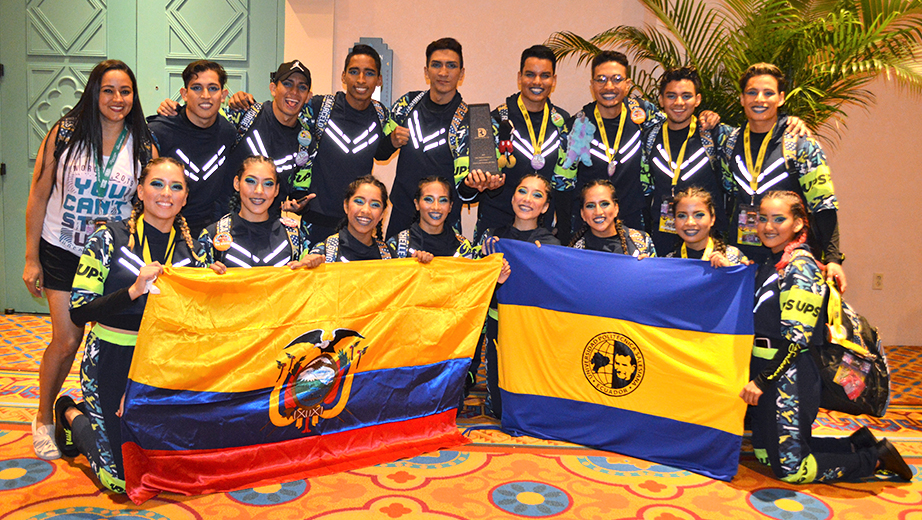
point(222, 241)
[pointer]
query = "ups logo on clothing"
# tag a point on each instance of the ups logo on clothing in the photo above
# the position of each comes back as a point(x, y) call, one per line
point(803, 307)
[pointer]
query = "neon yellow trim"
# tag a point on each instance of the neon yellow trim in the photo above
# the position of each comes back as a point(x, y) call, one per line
point(762, 456)
point(764, 352)
point(116, 338)
point(817, 185)
point(805, 474)
point(800, 306)
point(462, 168)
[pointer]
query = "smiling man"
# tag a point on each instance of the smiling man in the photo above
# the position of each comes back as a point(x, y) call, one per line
point(199, 139)
point(605, 139)
point(343, 132)
point(679, 154)
point(270, 133)
point(431, 134)
point(539, 138)
point(765, 155)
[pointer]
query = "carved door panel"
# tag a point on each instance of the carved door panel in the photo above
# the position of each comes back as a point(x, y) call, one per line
point(242, 35)
point(50, 47)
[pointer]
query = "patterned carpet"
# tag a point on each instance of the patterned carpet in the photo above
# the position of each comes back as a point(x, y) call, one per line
point(497, 476)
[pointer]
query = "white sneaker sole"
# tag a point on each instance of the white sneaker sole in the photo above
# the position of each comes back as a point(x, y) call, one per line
point(43, 441)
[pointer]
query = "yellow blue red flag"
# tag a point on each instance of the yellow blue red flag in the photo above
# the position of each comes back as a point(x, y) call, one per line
point(266, 374)
point(640, 357)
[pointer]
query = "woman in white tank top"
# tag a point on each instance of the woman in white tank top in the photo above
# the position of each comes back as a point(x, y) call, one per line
point(87, 169)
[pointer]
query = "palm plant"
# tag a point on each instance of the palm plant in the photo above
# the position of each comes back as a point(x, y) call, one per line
point(830, 50)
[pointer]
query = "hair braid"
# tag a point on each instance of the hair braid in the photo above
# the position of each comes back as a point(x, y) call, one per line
point(620, 229)
point(579, 234)
point(801, 238)
point(187, 236)
point(233, 203)
point(137, 209)
point(719, 245)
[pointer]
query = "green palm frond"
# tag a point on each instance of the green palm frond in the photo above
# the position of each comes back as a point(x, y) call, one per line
point(566, 44)
point(830, 50)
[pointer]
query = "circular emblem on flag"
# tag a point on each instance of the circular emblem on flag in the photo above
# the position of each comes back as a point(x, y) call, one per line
point(613, 364)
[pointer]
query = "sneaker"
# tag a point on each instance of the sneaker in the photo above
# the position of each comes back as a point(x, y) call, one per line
point(43, 441)
point(890, 460)
point(63, 435)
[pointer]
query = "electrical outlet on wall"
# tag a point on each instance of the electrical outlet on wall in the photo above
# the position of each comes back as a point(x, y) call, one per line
point(877, 283)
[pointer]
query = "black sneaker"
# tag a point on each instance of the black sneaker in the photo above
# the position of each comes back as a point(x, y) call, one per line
point(889, 458)
point(863, 438)
point(63, 435)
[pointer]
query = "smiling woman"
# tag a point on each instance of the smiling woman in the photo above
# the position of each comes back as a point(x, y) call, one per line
point(359, 236)
point(429, 231)
point(90, 158)
point(116, 271)
point(603, 230)
point(253, 234)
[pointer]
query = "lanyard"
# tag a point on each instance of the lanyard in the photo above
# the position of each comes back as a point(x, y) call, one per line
point(139, 226)
point(535, 143)
point(756, 169)
point(677, 169)
point(707, 249)
point(610, 153)
point(102, 175)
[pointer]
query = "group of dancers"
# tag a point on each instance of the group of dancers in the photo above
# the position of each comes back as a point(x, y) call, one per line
point(104, 216)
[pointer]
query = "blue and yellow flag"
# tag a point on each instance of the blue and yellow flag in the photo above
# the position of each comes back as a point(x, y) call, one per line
point(640, 357)
point(266, 374)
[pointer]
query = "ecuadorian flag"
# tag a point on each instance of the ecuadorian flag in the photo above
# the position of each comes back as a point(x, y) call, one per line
point(262, 375)
point(640, 357)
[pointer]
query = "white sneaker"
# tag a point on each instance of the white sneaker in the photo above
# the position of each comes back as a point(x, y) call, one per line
point(43, 441)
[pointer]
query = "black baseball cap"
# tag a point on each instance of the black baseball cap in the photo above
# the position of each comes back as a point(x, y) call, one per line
point(291, 67)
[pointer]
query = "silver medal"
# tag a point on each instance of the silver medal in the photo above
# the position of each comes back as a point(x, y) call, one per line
point(537, 161)
point(611, 168)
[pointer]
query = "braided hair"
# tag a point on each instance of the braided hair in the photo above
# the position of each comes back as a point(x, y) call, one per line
point(798, 211)
point(705, 197)
point(619, 227)
point(179, 222)
point(354, 187)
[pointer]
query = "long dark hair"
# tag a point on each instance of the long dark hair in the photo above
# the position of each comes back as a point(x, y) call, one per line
point(87, 127)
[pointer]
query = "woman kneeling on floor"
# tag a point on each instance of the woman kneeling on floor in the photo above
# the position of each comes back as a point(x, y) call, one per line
point(115, 273)
point(785, 387)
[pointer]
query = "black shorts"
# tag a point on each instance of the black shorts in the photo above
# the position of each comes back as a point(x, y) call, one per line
point(58, 266)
